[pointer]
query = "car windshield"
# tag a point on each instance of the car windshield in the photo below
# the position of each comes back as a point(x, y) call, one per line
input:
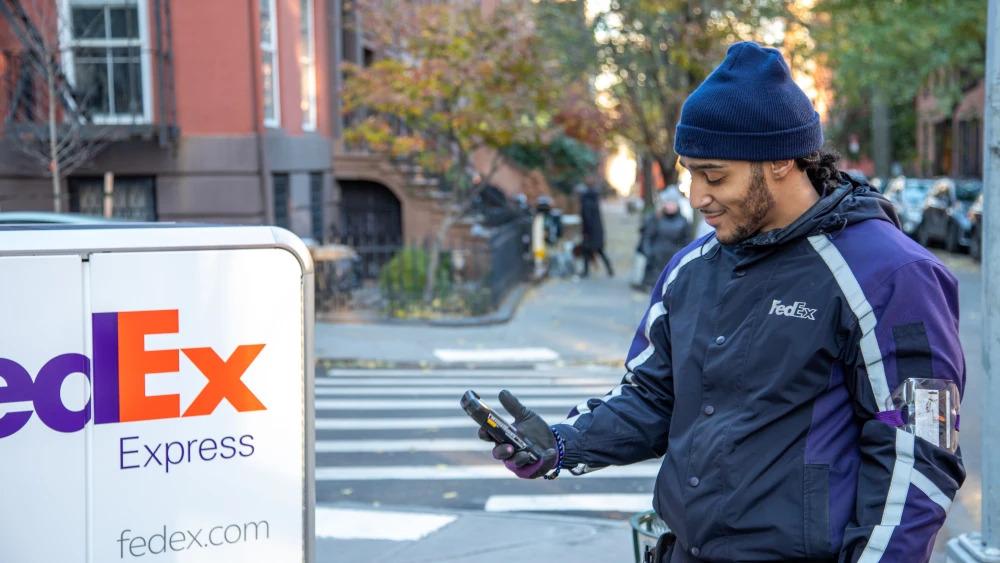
point(915, 191)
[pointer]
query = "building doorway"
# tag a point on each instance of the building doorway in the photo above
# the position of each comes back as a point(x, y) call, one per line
point(371, 221)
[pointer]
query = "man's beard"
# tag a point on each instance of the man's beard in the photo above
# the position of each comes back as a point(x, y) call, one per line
point(755, 206)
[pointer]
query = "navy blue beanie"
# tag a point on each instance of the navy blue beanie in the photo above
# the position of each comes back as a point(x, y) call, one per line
point(749, 108)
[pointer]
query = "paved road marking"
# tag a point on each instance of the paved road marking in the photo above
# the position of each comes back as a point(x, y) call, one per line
point(379, 446)
point(541, 370)
point(334, 373)
point(579, 392)
point(497, 355)
point(377, 381)
point(353, 524)
point(449, 472)
point(580, 502)
point(410, 423)
point(434, 404)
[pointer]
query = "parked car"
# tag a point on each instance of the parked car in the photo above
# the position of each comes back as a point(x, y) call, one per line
point(946, 213)
point(907, 196)
point(976, 234)
point(50, 218)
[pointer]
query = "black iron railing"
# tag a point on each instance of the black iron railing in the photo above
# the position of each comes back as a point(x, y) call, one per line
point(389, 276)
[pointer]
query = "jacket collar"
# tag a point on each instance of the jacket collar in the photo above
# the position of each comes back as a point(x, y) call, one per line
point(851, 202)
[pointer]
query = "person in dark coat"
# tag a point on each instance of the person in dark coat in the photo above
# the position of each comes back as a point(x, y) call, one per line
point(769, 378)
point(593, 229)
point(663, 235)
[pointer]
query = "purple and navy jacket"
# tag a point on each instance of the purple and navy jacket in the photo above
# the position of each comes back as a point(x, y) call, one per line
point(758, 374)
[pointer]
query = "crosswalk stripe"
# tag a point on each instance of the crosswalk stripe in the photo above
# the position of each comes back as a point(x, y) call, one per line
point(458, 472)
point(353, 524)
point(420, 439)
point(431, 404)
point(497, 355)
point(549, 390)
point(471, 382)
point(542, 370)
point(379, 446)
point(339, 372)
point(323, 423)
point(619, 502)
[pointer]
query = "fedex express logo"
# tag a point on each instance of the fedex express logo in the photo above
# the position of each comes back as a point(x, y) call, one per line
point(117, 377)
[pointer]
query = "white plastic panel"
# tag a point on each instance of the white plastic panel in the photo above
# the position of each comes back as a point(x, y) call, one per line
point(222, 300)
point(42, 471)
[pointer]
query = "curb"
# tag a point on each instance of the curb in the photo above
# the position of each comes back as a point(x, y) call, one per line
point(503, 314)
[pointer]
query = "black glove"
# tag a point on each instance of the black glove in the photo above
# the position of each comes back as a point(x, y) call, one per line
point(532, 427)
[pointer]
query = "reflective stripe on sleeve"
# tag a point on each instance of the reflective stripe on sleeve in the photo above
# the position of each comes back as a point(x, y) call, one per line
point(895, 501)
point(862, 311)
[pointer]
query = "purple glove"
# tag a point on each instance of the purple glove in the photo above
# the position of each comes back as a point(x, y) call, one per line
point(530, 426)
point(529, 469)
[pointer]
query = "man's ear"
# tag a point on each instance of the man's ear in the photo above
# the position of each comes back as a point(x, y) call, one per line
point(781, 168)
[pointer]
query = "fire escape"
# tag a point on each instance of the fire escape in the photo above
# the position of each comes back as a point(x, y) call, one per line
point(26, 69)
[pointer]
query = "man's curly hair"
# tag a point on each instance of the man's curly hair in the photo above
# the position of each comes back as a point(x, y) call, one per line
point(821, 166)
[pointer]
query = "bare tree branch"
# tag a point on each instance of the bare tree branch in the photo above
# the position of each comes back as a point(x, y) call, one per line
point(47, 118)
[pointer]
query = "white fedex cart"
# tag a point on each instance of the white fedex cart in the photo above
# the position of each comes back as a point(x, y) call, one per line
point(156, 395)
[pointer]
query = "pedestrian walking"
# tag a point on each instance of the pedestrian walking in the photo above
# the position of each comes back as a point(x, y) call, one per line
point(592, 226)
point(663, 235)
point(769, 369)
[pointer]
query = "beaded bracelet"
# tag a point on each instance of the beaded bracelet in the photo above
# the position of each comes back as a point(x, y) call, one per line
point(561, 448)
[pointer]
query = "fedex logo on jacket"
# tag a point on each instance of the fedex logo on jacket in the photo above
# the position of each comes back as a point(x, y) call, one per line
point(118, 374)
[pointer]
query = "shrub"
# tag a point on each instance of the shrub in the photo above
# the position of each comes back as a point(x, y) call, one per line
point(405, 275)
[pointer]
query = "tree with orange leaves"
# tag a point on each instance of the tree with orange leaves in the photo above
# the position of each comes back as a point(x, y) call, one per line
point(451, 80)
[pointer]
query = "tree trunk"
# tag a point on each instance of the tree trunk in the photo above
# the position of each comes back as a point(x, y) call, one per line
point(53, 149)
point(881, 134)
point(667, 170)
point(647, 182)
point(451, 216)
point(434, 260)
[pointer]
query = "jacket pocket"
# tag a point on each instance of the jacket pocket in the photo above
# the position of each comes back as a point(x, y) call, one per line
point(816, 510)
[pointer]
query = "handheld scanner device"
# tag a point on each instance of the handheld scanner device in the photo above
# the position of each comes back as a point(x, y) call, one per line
point(499, 429)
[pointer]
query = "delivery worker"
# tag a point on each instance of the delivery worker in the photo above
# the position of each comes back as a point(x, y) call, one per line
point(765, 370)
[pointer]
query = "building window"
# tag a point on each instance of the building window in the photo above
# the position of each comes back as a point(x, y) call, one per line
point(269, 62)
point(282, 215)
point(942, 149)
point(107, 60)
point(928, 169)
point(133, 197)
point(307, 65)
point(349, 32)
point(971, 148)
point(316, 205)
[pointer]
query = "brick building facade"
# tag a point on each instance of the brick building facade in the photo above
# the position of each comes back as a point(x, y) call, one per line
point(223, 111)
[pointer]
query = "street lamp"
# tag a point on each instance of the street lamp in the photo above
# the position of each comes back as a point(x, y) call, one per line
point(985, 547)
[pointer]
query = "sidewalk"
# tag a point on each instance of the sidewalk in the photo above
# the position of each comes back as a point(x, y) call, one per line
point(589, 320)
point(486, 537)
